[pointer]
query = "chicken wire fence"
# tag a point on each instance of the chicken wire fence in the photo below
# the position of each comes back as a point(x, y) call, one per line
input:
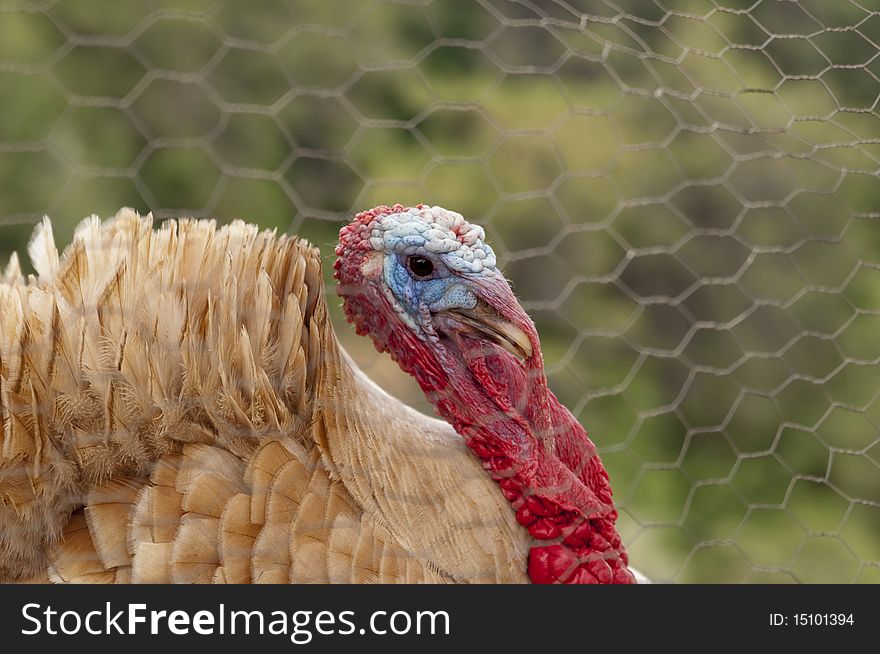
point(683, 193)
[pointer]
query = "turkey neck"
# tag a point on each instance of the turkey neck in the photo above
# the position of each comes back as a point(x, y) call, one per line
point(541, 457)
point(415, 475)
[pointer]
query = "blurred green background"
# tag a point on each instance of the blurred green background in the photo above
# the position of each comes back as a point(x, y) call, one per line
point(684, 193)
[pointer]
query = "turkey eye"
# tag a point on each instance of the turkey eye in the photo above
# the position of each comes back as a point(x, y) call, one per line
point(421, 267)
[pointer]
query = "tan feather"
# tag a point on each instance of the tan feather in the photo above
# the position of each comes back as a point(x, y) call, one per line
point(237, 537)
point(12, 272)
point(42, 251)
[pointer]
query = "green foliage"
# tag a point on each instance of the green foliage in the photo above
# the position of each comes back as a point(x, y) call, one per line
point(685, 198)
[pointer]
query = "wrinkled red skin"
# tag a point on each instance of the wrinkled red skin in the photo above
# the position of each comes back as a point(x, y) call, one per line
point(541, 457)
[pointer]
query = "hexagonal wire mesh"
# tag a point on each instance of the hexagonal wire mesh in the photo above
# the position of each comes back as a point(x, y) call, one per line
point(684, 193)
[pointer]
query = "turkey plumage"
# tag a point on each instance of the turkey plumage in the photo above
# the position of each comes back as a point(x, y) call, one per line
point(176, 408)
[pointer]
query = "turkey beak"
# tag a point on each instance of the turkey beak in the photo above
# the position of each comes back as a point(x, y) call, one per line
point(499, 317)
point(485, 321)
point(511, 338)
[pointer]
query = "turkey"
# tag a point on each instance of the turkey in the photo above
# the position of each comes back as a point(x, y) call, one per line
point(176, 408)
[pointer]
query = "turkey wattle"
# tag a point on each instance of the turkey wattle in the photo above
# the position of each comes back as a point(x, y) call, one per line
point(424, 285)
point(176, 408)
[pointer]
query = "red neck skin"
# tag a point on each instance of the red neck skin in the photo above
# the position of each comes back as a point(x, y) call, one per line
point(541, 457)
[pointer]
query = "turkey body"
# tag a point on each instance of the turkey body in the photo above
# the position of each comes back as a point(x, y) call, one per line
point(176, 408)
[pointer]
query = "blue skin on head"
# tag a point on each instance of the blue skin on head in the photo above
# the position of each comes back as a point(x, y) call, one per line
point(443, 291)
point(457, 250)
